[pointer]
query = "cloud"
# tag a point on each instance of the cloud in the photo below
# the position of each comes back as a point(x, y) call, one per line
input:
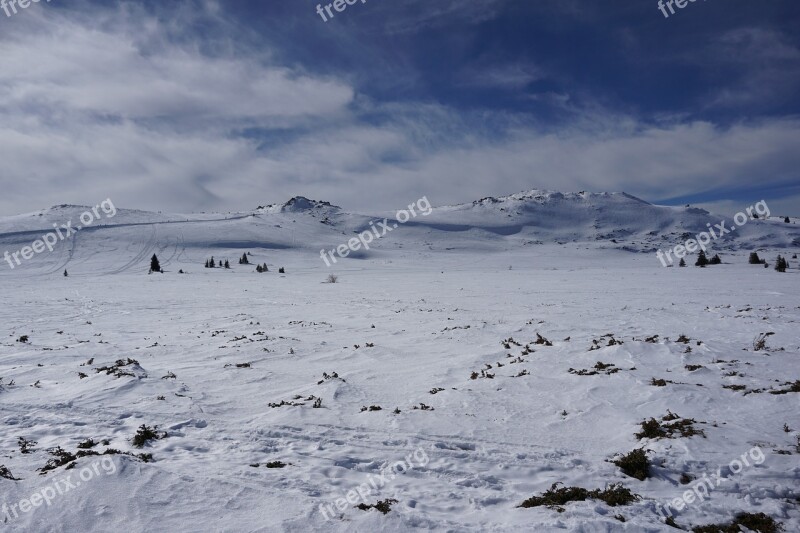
point(121, 103)
point(764, 67)
point(509, 76)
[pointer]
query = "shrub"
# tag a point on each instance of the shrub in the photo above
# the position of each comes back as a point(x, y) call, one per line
point(634, 464)
point(760, 342)
point(754, 522)
point(145, 434)
point(383, 506)
point(332, 278)
point(715, 260)
point(555, 497)
point(6, 474)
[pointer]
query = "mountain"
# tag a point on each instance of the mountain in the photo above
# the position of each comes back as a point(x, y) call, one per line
point(302, 227)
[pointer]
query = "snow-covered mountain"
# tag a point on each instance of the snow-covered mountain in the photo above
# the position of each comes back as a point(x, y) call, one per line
point(303, 226)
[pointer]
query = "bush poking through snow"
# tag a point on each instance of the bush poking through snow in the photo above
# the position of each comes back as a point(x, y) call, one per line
point(753, 522)
point(332, 278)
point(88, 444)
point(760, 342)
point(383, 506)
point(5, 473)
point(25, 445)
point(116, 368)
point(556, 497)
point(675, 425)
point(634, 464)
point(145, 434)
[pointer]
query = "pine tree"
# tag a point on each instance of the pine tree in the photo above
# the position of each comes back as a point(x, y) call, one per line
point(715, 260)
point(227, 264)
point(265, 268)
point(281, 270)
point(259, 269)
point(155, 266)
point(787, 220)
point(780, 264)
point(244, 260)
point(65, 274)
point(213, 264)
point(702, 260)
point(682, 263)
point(754, 259)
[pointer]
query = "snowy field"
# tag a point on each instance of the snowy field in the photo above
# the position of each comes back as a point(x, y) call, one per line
point(239, 370)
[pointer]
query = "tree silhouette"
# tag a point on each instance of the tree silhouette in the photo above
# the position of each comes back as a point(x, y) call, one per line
point(702, 260)
point(155, 266)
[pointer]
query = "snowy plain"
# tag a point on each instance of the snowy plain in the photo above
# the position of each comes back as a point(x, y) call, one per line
point(465, 292)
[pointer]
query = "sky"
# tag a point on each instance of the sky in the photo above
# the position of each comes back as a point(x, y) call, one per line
point(189, 106)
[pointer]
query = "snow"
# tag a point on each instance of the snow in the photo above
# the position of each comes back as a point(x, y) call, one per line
point(443, 293)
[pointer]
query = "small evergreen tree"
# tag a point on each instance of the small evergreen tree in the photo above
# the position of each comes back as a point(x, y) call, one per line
point(702, 260)
point(65, 273)
point(754, 259)
point(715, 260)
point(780, 264)
point(244, 260)
point(787, 220)
point(227, 264)
point(266, 269)
point(155, 266)
point(212, 264)
point(281, 270)
point(682, 263)
point(206, 265)
point(259, 269)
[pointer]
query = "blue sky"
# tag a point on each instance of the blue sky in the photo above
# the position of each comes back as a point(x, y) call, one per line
point(224, 106)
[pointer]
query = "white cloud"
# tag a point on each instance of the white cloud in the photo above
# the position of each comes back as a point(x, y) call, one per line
point(110, 104)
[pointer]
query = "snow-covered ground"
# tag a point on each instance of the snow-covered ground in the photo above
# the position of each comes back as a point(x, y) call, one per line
point(462, 293)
